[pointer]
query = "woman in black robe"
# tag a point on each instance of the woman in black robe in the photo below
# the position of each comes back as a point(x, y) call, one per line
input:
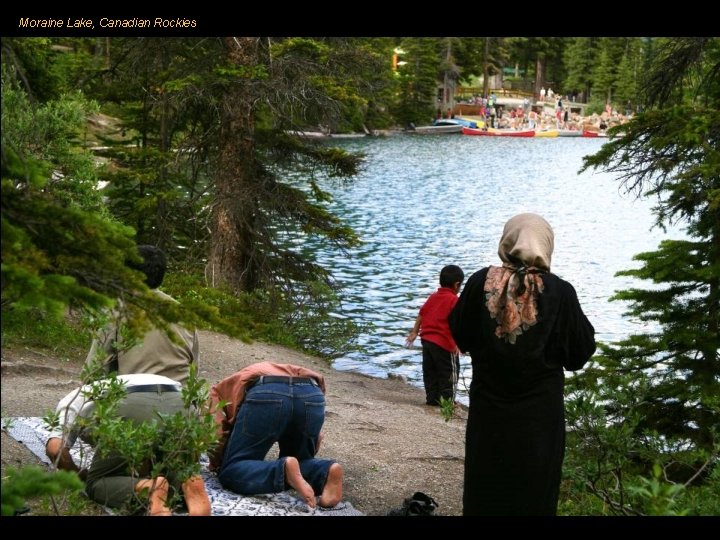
point(521, 325)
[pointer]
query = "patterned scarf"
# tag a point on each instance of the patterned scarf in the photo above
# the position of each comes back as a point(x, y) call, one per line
point(511, 290)
point(510, 294)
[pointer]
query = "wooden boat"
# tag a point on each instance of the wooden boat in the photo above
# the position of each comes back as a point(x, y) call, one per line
point(498, 132)
point(436, 130)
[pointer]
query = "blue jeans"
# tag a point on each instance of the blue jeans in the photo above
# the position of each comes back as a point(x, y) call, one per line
point(289, 414)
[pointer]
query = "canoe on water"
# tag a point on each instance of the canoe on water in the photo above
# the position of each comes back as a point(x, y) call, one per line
point(498, 132)
point(559, 133)
point(436, 130)
point(455, 122)
point(593, 134)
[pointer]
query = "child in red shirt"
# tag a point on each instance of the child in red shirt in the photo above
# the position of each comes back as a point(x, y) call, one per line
point(441, 357)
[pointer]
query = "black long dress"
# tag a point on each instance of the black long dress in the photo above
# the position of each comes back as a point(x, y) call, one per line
point(515, 439)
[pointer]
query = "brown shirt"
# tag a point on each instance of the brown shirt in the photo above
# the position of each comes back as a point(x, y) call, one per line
point(232, 390)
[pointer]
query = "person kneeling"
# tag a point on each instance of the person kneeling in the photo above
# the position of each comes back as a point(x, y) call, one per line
point(110, 479)
point(267, 403)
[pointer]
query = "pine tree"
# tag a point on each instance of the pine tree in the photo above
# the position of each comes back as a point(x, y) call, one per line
point(157, 180)
point(580, 57)
point(194, 186)
point(654, 398)
point(542, 56)
point(603, 74)
point(60, 247)
point(418, 80)
point(628, 73)
point(254, 203)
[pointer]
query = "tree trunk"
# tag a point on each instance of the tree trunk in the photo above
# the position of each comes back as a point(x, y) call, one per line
point(448, 85)
point(231, 261)
point(486, 68)
point(539, 75)
point(161, 239)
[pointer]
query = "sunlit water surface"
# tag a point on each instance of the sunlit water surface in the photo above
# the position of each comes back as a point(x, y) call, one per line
point(422, 202)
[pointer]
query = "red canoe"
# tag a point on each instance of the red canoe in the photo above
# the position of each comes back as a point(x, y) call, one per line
point(498, 132)
point(593, 134)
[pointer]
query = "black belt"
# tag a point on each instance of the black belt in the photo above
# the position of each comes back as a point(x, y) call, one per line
point(158, 388)
point(264, 379)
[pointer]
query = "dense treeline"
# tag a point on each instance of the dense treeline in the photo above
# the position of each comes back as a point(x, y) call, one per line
point(190, 144)
point(592, 70)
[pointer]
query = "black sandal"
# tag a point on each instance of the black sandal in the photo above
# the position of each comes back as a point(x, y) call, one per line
point(417, 505)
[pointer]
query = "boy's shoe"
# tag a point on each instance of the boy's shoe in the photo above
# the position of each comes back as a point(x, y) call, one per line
point(417, 505)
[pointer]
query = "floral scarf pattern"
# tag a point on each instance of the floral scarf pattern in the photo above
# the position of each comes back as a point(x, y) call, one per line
point(511, 298)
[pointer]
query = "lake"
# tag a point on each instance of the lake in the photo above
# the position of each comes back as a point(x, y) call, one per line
point(423, 202)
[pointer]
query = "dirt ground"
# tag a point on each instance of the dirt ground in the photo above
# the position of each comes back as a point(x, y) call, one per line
point(388, 441)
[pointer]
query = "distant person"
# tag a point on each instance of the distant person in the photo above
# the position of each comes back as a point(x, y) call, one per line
point(110, 480)
point(440, 354)
point(532, 119)
point(155, 352)
point(268, 403)
point(542, 94)
point(493, 113)
point(522, 325)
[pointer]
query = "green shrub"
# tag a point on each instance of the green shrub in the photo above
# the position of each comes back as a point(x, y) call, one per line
point(21, 484)
point(66, 338)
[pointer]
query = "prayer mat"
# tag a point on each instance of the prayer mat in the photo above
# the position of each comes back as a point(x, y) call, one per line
point(32, 432)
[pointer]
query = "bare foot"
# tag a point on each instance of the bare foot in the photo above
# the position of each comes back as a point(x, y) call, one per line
point(296, 481)
point(332, 493)
point(196, 498)
point(53, 447)
point(157, 501)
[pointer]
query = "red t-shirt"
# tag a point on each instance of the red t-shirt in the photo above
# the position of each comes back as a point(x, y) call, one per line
point(434, 315)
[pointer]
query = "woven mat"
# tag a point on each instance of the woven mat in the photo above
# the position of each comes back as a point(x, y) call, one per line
point(31, 432)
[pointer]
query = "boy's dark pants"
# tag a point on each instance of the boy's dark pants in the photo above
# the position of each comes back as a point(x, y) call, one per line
point(440, 372)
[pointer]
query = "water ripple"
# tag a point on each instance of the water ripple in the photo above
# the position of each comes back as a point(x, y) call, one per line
point(424, 202)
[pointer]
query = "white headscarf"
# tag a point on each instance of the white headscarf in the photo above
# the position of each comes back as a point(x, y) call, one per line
point(527, 240)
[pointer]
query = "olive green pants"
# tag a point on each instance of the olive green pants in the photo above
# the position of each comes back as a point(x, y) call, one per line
point(109, 480)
